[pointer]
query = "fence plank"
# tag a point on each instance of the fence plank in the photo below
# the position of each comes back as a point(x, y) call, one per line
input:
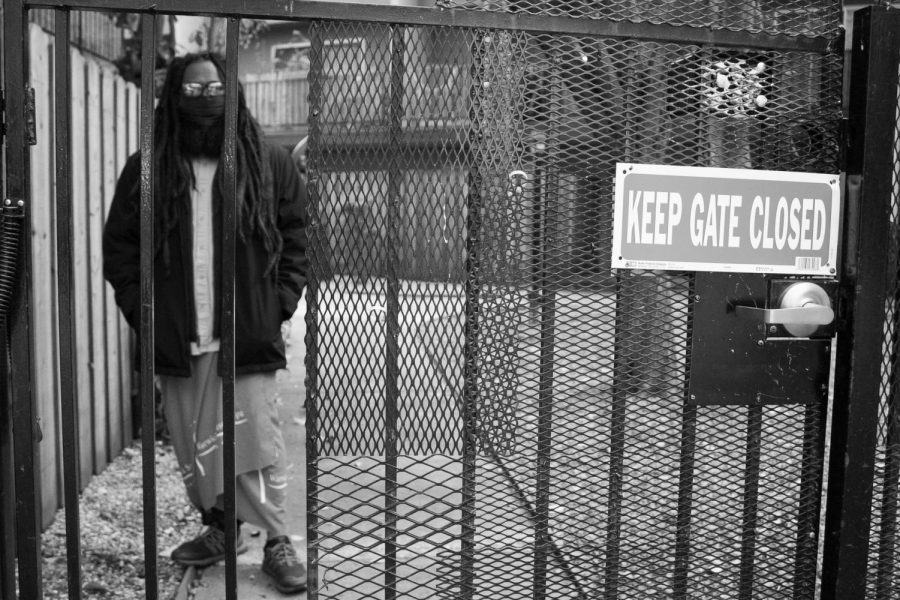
point(43, 271)
point(124, 366)
point(80, 257)
point(278, 100)
point(133, 118)
point(268, 100)
point(114, 393)
point(97, 284)
point(134, 112)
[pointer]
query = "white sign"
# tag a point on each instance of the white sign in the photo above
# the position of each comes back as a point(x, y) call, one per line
point(726, 220)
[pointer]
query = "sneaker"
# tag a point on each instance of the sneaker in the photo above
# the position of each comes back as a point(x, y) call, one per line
point(205, 549)
point(282, 565)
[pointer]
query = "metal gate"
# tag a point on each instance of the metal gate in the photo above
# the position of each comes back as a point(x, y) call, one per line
point(514, 422)
point(861, 517)
point(492, 411)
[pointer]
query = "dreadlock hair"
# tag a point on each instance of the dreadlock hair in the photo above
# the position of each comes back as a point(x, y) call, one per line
point(174, 176)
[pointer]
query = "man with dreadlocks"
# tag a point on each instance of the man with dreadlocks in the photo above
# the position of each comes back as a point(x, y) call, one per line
point(270, 271)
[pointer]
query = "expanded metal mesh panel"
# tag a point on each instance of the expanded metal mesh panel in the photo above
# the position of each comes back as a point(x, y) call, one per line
point(883, 580)
point(495, 413)
point(791, 17)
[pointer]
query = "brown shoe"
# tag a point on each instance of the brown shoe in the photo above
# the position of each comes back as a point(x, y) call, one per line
point(205, 549)
point(282, 565)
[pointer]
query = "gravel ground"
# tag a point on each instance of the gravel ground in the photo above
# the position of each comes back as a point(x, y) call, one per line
point(112, 540)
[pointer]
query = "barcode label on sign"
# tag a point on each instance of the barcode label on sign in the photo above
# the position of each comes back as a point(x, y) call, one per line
point(808, 263)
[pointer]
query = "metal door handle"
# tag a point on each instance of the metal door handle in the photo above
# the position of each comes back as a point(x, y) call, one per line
point(803, 308)
point(809, 314)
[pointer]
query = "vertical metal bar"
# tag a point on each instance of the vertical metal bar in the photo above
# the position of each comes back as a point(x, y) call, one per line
point(148, 342)
point(867, 219)
point(392, 317)
point(537, 186)
point(751, 501)
point(622, 350)
point(65, 233)
point(885, 568)
point(314, 174)
point(229, 228)
point(810, 498)
point(17, 338)
point(470, 388)
point(886, 543)
point(7, 491)
point(534, 215)
point(471, 328)
point(621, 382)
point(547, 303)
point(545, 423)
point(685, 501)
point(687, 448)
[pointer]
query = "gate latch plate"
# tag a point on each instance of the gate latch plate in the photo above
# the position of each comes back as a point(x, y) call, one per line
point(741, 361)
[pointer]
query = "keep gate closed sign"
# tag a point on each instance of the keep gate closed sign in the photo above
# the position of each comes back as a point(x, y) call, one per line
point(727, 220)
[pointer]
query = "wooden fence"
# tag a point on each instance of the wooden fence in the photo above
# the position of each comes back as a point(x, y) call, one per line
point(93, 32)
point(104, 133)
point(277, 100)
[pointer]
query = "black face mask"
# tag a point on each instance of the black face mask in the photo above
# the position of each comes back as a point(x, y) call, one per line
point(202, 140)
point(204, 110)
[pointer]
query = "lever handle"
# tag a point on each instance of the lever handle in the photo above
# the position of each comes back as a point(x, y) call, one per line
point(804, 307)
point(809, 314)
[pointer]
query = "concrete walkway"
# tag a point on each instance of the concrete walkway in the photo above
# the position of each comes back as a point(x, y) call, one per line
point(209, 583)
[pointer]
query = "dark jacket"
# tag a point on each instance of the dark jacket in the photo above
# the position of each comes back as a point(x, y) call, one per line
point(262, 301)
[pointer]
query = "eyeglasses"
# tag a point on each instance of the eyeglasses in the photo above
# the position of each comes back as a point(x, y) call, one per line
point(195, 90)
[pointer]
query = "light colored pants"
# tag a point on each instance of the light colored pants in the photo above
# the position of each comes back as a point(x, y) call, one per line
point(193, 409)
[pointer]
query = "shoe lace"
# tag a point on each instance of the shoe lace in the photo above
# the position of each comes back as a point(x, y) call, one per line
point(214, 539)
point(283, 554)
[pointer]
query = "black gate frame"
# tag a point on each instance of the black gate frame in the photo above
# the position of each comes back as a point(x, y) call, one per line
point(863, 290)
point(867, 232)
point(15, 389)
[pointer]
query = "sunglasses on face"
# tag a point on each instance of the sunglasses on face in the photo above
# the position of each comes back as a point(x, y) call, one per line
point(195, 90)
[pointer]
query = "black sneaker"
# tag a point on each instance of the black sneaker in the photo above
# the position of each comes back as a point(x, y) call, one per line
point(282, 565)
point(205, 549)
